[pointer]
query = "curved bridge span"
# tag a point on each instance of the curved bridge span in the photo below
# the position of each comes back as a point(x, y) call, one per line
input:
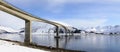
point(6, 7)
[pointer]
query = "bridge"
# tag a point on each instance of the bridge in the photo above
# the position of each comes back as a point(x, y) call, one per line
point(6, 7)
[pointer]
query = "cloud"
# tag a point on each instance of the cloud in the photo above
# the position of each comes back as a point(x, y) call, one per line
point(56, 3)
point(56, 6)
point(14, 22)
point(65, 24)
point(93, 11)
point(85, 22)
point(11, 21)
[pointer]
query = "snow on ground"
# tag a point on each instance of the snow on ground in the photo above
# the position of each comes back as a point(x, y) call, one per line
point(8, 47)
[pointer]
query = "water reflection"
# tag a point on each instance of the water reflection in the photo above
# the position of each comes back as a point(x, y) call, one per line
point(65, 40)
point(14, 37)
point(86, 42)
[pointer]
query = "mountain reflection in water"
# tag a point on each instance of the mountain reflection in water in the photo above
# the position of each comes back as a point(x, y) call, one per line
point(85, 42)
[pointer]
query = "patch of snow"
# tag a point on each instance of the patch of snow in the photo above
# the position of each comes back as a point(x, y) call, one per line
point(8, 29)
point(8, 47)
point(105, 29)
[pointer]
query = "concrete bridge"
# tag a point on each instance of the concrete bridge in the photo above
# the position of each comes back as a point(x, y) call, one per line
point(4, 6)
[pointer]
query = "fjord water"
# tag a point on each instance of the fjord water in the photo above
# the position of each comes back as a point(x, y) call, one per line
point(85, 42)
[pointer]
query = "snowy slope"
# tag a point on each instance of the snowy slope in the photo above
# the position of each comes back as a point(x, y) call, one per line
point(7, 29)
point(105, 29)
point(8, 47)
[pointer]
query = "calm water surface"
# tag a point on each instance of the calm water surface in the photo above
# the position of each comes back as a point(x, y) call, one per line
point(84, 42)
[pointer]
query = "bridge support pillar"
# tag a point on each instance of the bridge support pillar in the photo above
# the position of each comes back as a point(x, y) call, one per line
point(27, 39)
point(57, 37)
point(66, 31)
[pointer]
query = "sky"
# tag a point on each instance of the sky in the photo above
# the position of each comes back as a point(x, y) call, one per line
point(77, 13)
point(8, 20)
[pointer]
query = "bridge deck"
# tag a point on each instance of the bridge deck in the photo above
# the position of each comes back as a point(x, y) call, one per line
point(28, 19)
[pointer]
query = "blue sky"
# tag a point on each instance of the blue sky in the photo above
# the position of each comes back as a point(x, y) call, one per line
point(77, 13)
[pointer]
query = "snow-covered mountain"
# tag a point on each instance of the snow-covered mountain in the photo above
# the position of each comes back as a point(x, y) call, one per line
point(105, 29)
point(4, 29)
point(39, 30)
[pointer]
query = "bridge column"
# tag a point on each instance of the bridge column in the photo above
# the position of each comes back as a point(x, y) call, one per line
point(57, 37)
point(69, 32)
point(27, 39)
point(66, 31)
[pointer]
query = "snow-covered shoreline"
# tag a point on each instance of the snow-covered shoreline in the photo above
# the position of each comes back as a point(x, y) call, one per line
point(6, 46)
